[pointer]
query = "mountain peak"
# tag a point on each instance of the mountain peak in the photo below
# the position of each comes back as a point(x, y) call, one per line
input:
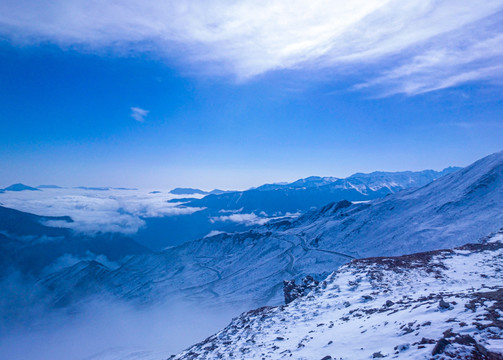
point(20, 187)
point(188, 191)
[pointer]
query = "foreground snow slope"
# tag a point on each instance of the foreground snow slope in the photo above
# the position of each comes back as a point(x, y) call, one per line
point(441, 304)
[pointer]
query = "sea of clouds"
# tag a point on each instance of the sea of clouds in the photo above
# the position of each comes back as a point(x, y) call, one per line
point(110, 210)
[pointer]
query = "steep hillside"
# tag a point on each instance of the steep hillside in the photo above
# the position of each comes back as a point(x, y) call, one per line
point(440, 304)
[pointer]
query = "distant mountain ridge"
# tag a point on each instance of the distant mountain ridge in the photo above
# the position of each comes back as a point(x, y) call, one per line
point(305, 194)
point(49, 187)
point(249, 267)
point(191, 191)
point(230, 211)
point(19, 187)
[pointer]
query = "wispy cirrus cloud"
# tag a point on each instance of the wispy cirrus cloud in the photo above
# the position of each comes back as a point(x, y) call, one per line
point(405, 47)
point(139, 114)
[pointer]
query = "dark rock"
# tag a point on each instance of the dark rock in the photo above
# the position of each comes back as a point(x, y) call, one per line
point(427, 341)
point(465, 340)
point(407, 330)
point(443, 304)
point(448, 333)
point(402, 347)
point(310, 282)
point(328, 357)
point(481, 349)
point(389, 303)
point(471, 306)
point(292, 291)
point(377, 355)
point(440, 346)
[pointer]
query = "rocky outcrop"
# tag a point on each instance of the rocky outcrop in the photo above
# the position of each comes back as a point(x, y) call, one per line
point(293, 291)
point(443, 304)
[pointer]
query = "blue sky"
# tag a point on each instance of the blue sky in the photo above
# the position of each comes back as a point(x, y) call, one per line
point(232, 95)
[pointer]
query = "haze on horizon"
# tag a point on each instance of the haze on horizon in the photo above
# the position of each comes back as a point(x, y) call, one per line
point(218, 94)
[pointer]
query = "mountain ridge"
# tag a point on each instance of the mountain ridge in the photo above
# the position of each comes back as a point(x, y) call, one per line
point(442, 303)
point(304, 194)
point(215, 271)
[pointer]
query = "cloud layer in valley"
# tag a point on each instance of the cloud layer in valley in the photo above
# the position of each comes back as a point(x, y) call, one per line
point(406, 47)
point(96, 211)
point(107, 329)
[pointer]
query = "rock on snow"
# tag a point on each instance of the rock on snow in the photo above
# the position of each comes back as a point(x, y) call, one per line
point(439, 304)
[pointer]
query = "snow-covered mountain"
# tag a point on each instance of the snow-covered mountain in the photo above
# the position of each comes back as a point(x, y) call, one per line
point(232, 211)
point(248, 268)
point(441, 304)
point(191, 191)
point(245, 270)
point(305, 194)
point(19, 187)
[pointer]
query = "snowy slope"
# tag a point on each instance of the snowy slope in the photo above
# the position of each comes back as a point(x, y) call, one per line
point(455, 209)
point(249, 268)
point(447, 303)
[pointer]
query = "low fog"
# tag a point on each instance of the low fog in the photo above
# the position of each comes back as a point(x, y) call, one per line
point(92, 211)
point(109, 330)
point(102, 327)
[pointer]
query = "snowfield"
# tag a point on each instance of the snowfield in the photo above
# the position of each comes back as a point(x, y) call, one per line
point(440, 304)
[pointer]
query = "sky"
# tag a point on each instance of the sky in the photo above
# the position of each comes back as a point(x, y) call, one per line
point(234, 94)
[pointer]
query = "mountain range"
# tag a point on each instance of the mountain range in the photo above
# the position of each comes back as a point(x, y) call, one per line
point(350, 269)
point(249, 267)
point(305, 194)
point(232, 211)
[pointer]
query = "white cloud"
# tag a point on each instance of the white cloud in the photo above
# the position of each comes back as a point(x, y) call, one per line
point(95, 211)
point(252, 218)
point(214, 233)
point(405, 45)
point(474, 60)
point(139, 114)
point(67, 260)
point(246, 219)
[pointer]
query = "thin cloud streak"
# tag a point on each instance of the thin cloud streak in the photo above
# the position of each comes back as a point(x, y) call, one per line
point(406, 46)
point(139, 114)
